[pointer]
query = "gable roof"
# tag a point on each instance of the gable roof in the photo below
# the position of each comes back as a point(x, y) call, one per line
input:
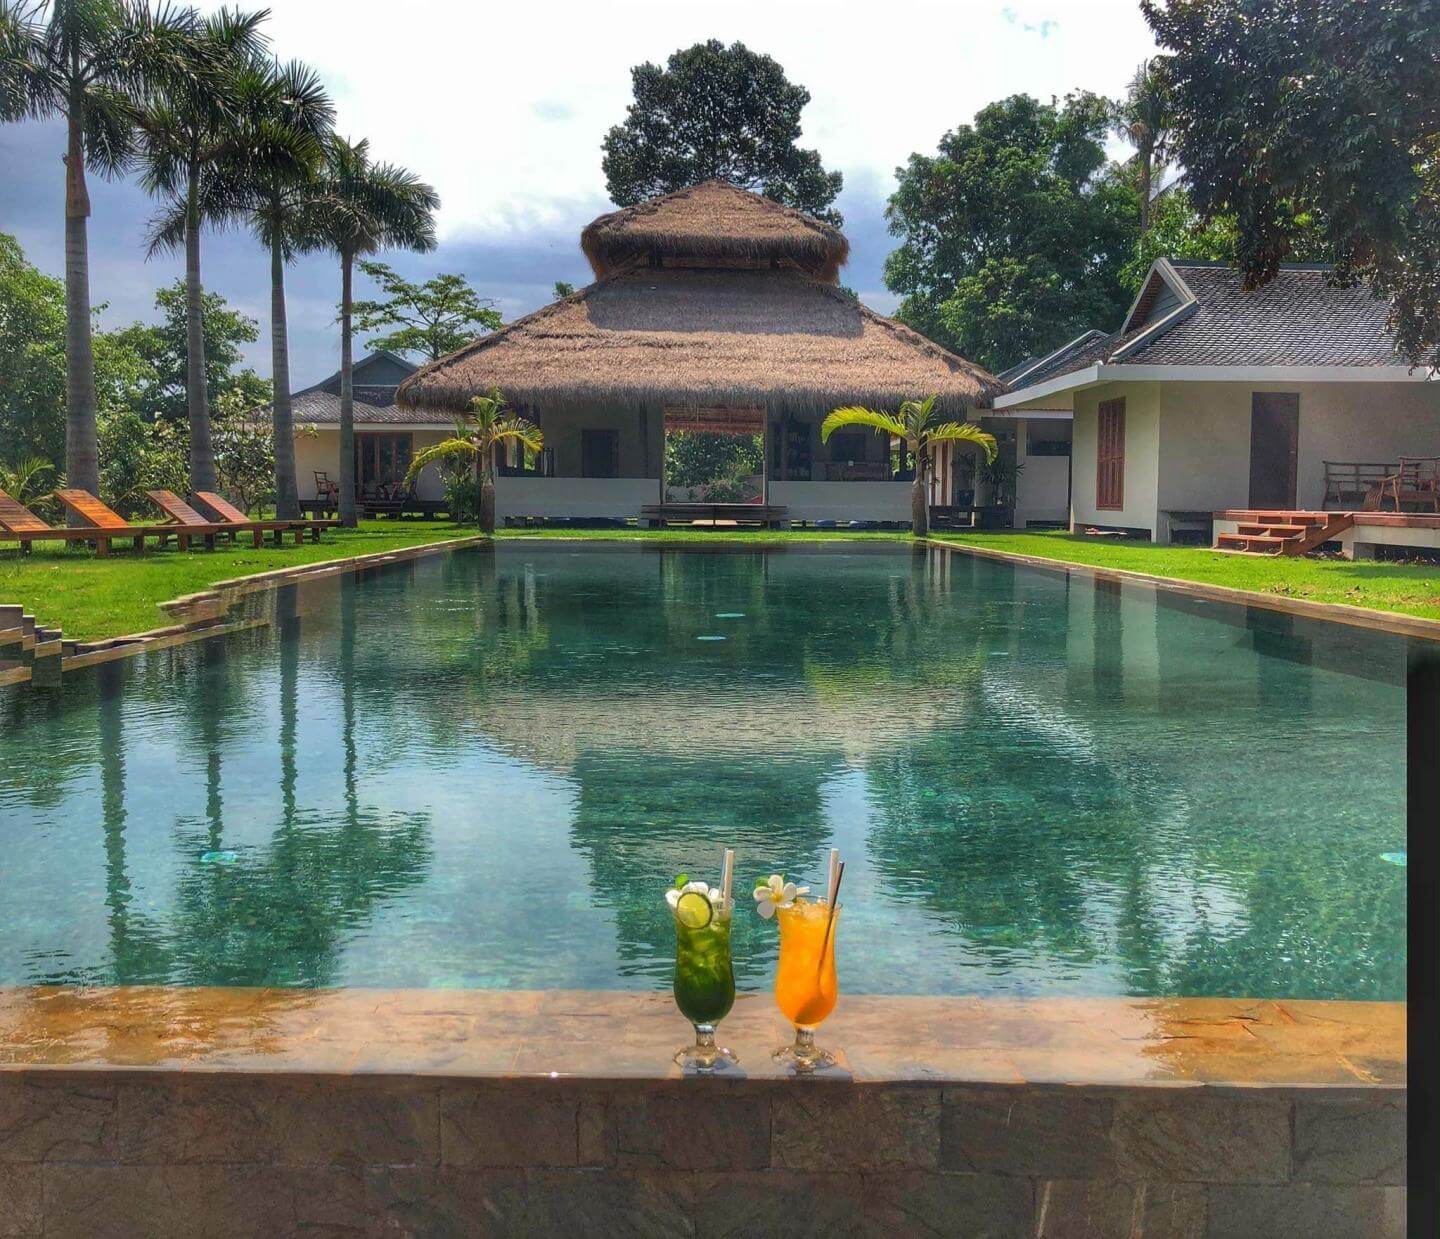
point(361, 370)
point(317, 407)
point(713, 224)
point(1193, 313)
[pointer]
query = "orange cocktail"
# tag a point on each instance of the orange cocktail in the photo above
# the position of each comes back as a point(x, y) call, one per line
point(805, 984)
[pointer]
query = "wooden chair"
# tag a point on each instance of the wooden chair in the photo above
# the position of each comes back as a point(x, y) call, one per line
point(1416, 481)
point(325, 488)
point(24, 527)
point(229, 515)
point(97, 516)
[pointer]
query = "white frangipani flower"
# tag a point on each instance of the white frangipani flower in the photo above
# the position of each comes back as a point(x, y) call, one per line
point(776, 893)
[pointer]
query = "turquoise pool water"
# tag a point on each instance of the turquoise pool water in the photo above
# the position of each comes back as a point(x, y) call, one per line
point(482, 769)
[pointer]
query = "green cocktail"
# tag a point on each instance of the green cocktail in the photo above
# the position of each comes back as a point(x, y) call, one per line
point(704, 976)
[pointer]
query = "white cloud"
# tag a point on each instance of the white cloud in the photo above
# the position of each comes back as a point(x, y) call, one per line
point(503, 108)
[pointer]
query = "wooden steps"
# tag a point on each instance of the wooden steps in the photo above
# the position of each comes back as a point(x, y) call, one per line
point(1280, 532)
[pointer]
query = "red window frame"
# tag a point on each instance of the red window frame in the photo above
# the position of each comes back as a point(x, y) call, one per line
point(1110, 456)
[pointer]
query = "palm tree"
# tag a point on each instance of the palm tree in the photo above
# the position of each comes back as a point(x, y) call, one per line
point(1144, 118)
point(270, 181)
point(183, 132)
point(88, 61)
point(360, 208)
point(915, 426)
point(485, 428)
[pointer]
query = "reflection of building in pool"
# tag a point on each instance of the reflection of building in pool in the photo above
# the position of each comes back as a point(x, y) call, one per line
point(713, 308)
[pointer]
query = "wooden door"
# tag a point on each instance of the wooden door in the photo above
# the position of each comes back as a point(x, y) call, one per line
point(1274, 448)
point(599, 453)
point(1110, 456)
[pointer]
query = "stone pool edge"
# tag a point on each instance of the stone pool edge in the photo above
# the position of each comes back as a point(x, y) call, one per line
point(161, 1110)
point(201, 615)
point(1394, 622)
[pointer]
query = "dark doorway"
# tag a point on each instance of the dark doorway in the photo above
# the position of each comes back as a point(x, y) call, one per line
point(1274, 447)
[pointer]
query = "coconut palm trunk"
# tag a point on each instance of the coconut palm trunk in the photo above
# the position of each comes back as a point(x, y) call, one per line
point(287, 495)
point(197, 397)
point(919, 500)
point(487, 491)
point(347, 395)
point(82, 456)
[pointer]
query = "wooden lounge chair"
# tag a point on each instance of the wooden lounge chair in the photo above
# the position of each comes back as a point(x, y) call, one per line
point(183, 516)
point(228, 514)
point(97, 516)
point(19, 524)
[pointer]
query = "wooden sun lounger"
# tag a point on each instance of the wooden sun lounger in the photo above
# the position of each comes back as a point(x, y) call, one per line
point(19, 524)
point(228, 514)
point(99, 517)
point(185, 516)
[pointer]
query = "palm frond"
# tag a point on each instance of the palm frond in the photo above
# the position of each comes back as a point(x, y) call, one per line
point(450, 449)
point(517, 430)
point(885, 423)
point(963, 432)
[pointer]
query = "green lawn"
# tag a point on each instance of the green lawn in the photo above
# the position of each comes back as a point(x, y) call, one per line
point(89, 597)
point(1408, 588)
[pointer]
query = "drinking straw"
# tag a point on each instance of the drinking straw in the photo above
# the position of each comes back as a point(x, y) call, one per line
point(727, 873)
point(830, 875)
point(830, 920)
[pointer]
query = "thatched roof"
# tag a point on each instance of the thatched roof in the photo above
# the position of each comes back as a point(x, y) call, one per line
point(771, 337)
point(713, 223)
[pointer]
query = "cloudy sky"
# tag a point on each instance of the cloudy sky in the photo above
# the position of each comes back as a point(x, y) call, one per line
point(502, 109)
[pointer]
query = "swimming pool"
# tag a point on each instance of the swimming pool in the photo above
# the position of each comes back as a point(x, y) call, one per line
point(481, 769)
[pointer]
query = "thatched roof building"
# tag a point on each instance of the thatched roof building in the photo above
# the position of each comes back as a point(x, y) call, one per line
point(711, 295)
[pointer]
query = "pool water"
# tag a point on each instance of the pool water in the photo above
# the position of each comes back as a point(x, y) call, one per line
point(482, 769)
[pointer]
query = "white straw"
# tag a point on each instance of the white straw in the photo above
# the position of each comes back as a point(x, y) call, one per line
point(727, 873)
point(832, 876)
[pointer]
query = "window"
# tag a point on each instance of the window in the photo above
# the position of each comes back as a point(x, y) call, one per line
point(1110, 456)
point(848, 446)
point(381, 461)
point(599, 453)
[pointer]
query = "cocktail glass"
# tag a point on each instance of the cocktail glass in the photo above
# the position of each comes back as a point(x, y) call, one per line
point(704, 988)
point(805, 984)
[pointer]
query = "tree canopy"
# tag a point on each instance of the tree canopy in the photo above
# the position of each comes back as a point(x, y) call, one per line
point(162, 347)
point(717, 113)
point(1013, 234)
point(433, 319)
point(1319, 110)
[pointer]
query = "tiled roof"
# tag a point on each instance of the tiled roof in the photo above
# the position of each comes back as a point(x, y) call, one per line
point(1298, 319)
point(322, 408)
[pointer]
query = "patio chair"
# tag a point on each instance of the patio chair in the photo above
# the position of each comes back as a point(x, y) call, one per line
point(1416, 481)
point(98, 517)
point(19, 524)
point(229, 515)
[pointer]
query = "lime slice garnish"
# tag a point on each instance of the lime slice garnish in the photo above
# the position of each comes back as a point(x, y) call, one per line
point(693, 910)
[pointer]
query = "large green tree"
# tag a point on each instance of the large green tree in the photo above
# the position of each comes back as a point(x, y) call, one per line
point(32, 363)
point(716, 112)
point(1319, 109)
point(186, 127)
point(1013, 234)
point(359, 207)
point(88, 61)
point(432, 319)
point(165, 347)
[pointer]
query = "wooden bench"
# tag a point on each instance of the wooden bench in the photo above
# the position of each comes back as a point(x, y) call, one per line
point(1349, 483)
point(658, 515)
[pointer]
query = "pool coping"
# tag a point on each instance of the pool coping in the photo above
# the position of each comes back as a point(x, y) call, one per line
point(202, 614)
point(1394, 622)
point(1166, 1043)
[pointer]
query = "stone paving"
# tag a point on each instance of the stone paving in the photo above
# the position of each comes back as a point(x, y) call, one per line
point(171, 1111)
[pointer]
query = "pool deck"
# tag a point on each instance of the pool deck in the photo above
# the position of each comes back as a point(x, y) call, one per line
point(146, 1110)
